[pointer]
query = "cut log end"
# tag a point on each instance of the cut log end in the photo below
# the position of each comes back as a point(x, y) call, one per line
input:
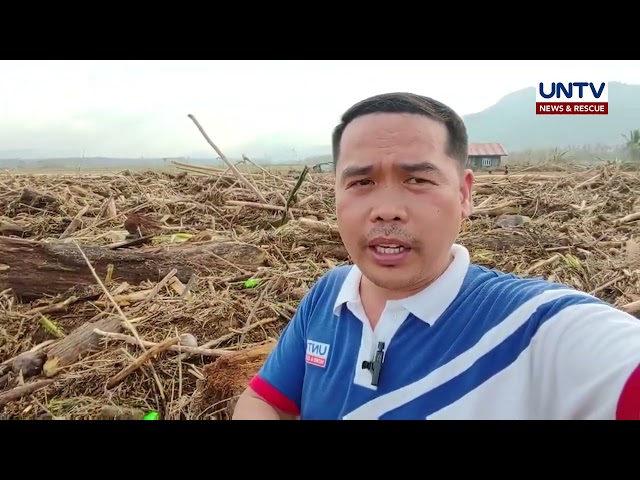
point(227, 377)
point(34, 269)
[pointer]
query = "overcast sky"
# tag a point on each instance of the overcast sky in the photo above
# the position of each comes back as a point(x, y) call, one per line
point(139, 108)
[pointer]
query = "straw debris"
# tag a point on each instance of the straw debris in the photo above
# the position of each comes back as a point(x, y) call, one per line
point(163, 292)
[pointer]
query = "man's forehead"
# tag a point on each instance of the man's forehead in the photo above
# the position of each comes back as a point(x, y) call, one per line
point(391, 156)
point(393, 125)
point(388, 134)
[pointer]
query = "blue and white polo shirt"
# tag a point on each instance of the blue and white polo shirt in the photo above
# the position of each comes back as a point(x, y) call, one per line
point(475, 344)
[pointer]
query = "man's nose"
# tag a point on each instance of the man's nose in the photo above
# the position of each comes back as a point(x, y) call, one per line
point(388, 211)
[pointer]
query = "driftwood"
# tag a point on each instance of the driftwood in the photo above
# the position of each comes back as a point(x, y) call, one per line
point(38, 200)
point(192, 350)
point(9, 229)
point(27, 364)
point(114, 412)
point(141, 360)
point(33, 269)
point(78, 343)
point(22, 390)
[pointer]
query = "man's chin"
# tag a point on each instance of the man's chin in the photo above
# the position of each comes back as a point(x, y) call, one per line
point(396, 277)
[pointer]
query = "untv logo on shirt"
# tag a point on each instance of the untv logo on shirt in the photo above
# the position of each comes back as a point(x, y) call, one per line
point(317, 353)
point(572, 98)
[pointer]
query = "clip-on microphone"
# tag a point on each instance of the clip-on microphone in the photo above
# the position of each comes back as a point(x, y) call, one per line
point(376, 365)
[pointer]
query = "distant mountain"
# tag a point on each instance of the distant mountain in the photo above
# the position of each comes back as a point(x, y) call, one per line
point(513, 122)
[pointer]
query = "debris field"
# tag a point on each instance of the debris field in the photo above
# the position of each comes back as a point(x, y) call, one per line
point(159, 294)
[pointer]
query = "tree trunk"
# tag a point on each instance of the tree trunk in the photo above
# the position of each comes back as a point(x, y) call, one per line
point(34, 269)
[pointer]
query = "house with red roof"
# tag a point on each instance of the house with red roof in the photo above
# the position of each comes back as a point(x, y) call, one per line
point(485, 156)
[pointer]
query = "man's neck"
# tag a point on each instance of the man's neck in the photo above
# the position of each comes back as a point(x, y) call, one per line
point(387, 294)
point(374, 298)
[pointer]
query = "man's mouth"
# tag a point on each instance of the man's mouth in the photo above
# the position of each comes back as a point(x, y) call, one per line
point(389, 249)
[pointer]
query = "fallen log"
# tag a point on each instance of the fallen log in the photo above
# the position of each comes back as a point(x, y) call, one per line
point(33, 269)
point(78, 343)
point(39, 200)
point(23, 390)
point(10, 229)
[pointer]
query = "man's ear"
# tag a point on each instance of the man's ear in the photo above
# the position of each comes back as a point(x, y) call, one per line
point(466, 187)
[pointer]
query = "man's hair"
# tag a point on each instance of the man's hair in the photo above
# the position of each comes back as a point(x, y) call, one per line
point(402, 102)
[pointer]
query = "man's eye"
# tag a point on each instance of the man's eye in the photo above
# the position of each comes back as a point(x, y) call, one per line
point(418, 180)
point(361, 182)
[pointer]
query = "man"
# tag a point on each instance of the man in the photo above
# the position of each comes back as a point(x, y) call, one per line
point(413, 330)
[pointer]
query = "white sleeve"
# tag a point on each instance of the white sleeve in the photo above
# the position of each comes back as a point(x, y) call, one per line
point(586, 364)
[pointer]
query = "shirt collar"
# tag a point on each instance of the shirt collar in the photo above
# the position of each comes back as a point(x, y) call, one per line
point(428, 304)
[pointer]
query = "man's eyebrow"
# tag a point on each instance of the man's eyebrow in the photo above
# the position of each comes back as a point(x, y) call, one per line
point(356, 172)
point(424, 167)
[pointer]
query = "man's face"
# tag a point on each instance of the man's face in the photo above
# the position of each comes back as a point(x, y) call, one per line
point(400, 199)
